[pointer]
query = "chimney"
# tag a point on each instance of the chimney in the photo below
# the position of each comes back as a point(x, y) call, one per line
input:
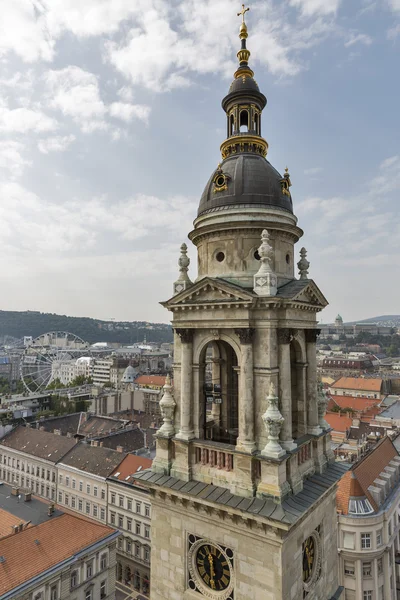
point(120, 449)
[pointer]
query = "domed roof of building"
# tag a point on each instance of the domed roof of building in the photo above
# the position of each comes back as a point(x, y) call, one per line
point(250, 181)
point(243, 83)
point(129, 375)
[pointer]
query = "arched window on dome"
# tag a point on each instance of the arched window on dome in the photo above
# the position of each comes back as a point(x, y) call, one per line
point(244, 121)
point(256, 124)
point(231, 125)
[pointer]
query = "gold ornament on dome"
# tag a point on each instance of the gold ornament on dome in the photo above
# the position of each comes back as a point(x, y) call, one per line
point(220, 180)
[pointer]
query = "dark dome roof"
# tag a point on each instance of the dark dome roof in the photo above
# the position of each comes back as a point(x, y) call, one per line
point(252, 180)
point(243, 83)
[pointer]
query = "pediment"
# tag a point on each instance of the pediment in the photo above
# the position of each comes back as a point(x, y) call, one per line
point(209, 290)
point(311, 294)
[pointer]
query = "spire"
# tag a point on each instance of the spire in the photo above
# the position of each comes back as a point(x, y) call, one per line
point(265, 281)
point(303, 264)
point(183, 281)
point(243, 54)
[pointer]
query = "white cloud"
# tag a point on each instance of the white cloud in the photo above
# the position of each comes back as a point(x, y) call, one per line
point(394, 5)
point(358, 38)
point(75, 92)
point(320, 7)
point(11, 159)
point(55, 144)
point(25, 120)
point(126, 112)
point(393, 32)
point(313, 171)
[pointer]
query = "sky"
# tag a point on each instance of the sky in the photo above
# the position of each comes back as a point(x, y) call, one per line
point(110, 126)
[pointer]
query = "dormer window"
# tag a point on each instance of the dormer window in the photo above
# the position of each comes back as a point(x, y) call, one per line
point(360, 506)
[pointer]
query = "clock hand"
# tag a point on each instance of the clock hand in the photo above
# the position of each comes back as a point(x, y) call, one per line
point(212, 572)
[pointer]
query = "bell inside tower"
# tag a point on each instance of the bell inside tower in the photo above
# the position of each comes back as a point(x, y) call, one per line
point(218, 393)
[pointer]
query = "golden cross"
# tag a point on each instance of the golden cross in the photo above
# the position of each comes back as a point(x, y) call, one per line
point(243, 12)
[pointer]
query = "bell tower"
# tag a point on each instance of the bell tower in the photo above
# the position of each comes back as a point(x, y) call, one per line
point(243, 482)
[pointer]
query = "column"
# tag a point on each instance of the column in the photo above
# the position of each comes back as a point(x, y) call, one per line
point(312, 406)
point(285, 387)
point(245, 441)
point(186, 429)
point(302, 417)
point(387, 573)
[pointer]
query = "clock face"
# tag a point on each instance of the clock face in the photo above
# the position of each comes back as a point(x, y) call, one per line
point(309, 551)
point(213, 567)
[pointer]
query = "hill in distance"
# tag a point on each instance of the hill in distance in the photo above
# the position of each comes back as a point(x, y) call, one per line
point(18, 324)
point(384, 320)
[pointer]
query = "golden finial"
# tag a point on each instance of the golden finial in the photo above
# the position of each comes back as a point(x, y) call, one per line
point(243, 12)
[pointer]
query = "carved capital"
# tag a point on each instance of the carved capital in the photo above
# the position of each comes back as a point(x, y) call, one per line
point(311, 335)
point(186, 335)
point(285, 335)
point(245, 334)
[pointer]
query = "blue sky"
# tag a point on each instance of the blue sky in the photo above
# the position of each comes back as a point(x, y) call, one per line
point(110, 125)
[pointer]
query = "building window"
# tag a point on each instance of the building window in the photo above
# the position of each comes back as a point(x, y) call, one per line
point(129, 524)
point(365, 541)
point(379, 537)
point(137, 550)
point(67, 481)
point(103, 562)
point(103, 592)
point(129, 504)
point(138, 507)
point(121, 501)
point(73, 501)
point(367, 595)
point(137, 528)
point(147, 510)
point(88, 488)
point(95, 490)
point(66, 499)
point(53, 592)
point(112, 518)
point(112, 498)
point(348, 568)
point(95, 510)
point(60, 478)
point(88, 594)
point(73, 484)
point(74, 579)
point(146, 553)
point(81, 486)
point(89, 569)
point(87, 508)
point(146, 531)
point(102, 514)
point(60, 497)
point(120, 542)
point(128, 546)
point(367, 569)
point(120, 521)
point(380, 566)
point(80, 505)
point(103, 494)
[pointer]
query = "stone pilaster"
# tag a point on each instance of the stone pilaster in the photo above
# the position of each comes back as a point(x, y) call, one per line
point(245, 441)
point(285, 336)
point(186, 428)
point(313, 427)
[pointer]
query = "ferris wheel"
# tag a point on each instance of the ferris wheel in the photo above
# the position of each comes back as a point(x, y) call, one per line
point(46, 357)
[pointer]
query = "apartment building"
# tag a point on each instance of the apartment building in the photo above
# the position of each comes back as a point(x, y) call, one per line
point(82, 479)
point(358, 387)
point(368, 503)
point(28, 459)
point(67, 558)
point(129, 509)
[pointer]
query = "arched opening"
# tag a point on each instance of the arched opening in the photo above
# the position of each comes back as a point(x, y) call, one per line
point(119, 571)
point(219, 395)
point(256, 121)
point(244, 121)
point(297, 381)
point(127, 575)
point(231, 125)
point(136, 581)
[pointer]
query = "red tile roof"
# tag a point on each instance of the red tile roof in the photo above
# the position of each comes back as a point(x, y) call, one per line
point(36, 549)
point(130, 465)
point(156, 380)
point(338, 422)
point(355, 483)
point(358, 404)
point(7, 521)
point(358, 383)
